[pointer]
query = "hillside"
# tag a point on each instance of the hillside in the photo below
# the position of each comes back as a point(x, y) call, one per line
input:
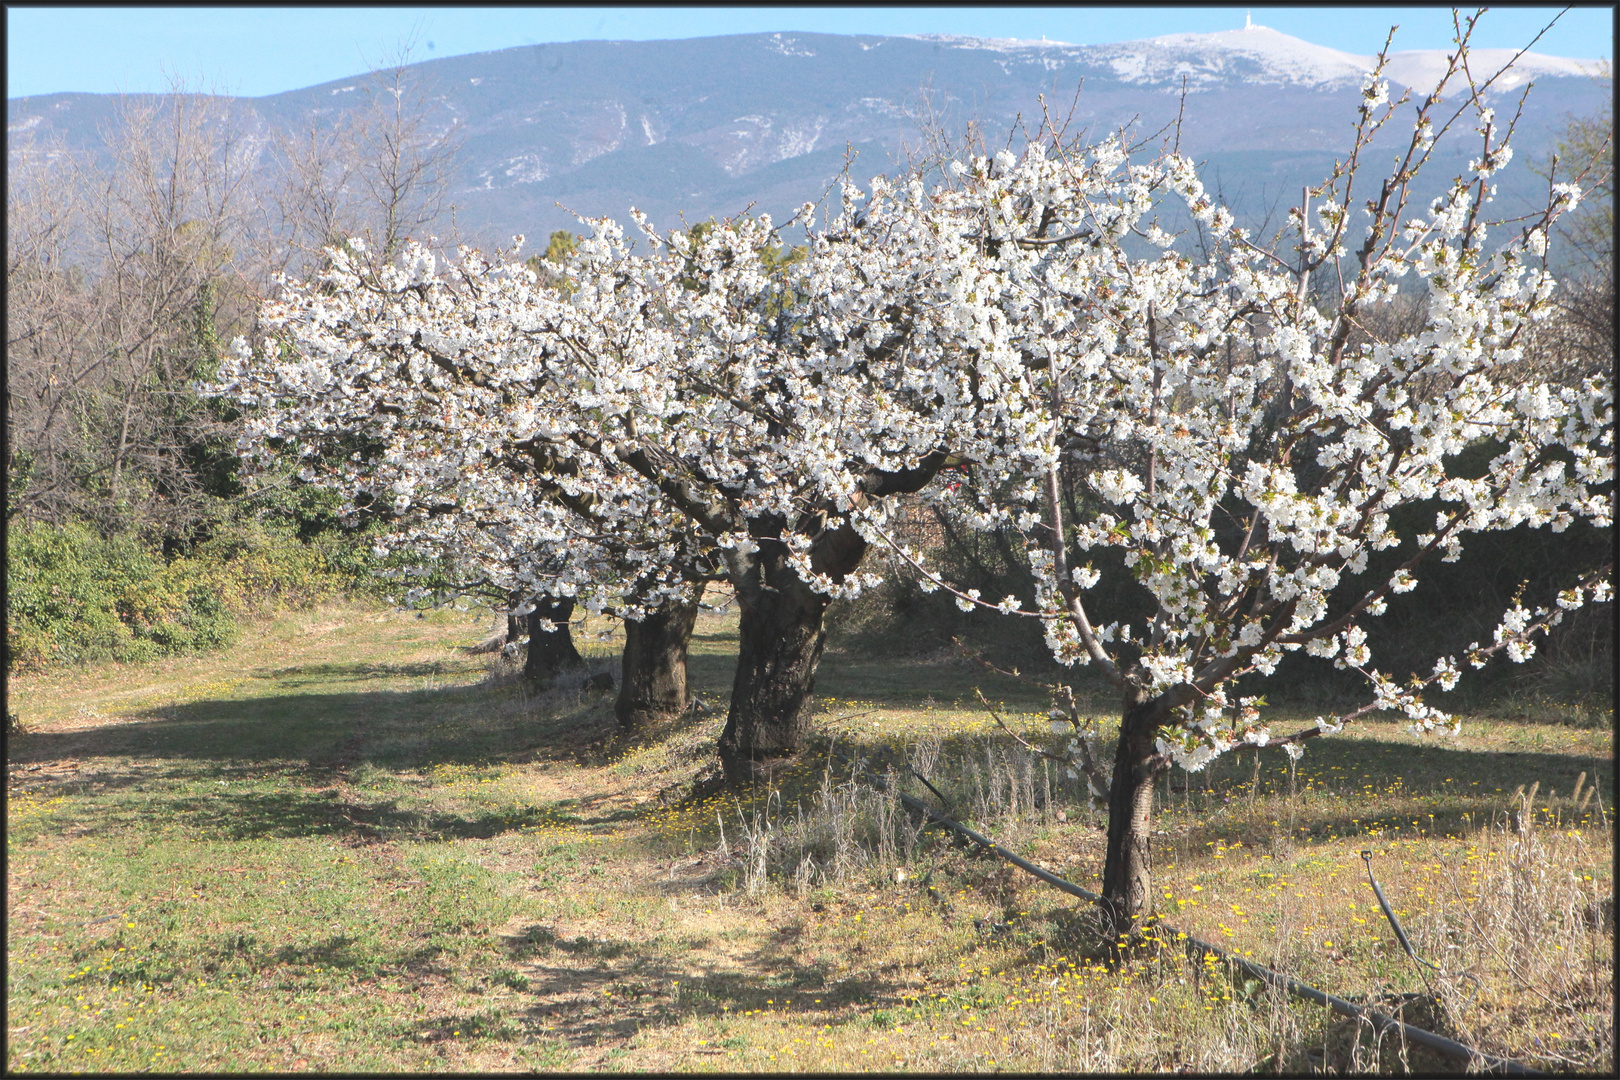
point(709, 126)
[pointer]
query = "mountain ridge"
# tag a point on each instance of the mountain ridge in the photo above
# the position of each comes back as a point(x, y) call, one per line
point(707, 126)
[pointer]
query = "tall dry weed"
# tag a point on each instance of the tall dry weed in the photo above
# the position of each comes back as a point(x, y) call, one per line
point(1527, 932)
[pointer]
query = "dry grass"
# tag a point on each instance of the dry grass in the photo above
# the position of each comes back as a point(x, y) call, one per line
point(348, 845)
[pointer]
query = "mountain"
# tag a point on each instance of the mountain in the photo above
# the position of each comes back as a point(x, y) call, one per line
point(709, 126)
point(1259, 54)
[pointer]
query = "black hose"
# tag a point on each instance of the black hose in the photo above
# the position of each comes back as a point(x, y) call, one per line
point(1395, 924)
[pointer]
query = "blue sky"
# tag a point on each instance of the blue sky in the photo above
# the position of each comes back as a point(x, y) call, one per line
point(256, 51)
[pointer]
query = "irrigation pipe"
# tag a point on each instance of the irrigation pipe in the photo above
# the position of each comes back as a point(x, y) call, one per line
point(1389, 913)
point(1381, 1023)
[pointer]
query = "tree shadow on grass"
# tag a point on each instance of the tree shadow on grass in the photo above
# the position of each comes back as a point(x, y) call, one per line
point(336, 952)
point(256, 815)
point(504, 719)
point(315, 733)
point(342, 952)
point(319, 735)
point(322, 738)
point(711, 670)
point(197, 758)
point(1368, 788)
point(909, 684)
point(301, 813)
point(327, 672)
point(588, 992)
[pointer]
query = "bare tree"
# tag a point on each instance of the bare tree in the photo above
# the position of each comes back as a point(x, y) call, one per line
point(45, 358)
point(126, 269)
point(303, 205)
point(381, 172)
point(1580, 342)
point(1586, 151)
point(407, 160)
point(121, 271)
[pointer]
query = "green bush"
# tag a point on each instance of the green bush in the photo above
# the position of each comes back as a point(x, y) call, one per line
point(63, 587)
point(256, 569)
point(74, 596)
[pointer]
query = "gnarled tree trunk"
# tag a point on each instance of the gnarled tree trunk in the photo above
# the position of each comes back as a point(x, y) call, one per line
point(781, 640)
point(551, 652)
point(1128, 869)
point(653, 674)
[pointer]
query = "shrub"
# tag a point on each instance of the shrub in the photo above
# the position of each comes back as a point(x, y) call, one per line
point(74, 596)
point(63, 587)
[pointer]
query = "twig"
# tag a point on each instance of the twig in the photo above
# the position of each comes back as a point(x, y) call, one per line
point(991, 709)
point(969, 654)
point(1086, 764)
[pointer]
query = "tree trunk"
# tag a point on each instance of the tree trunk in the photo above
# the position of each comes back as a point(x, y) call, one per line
point(554, 652)
point(780, 641)
point(652, 680)
point(1128, 869)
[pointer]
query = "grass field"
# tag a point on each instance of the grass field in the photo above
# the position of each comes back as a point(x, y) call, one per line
point(348, 845)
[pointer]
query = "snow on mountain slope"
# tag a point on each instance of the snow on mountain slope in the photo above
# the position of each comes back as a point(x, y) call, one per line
point(1277, 56)
point(1421, 68)
point(1260, 55)
point(957, 41)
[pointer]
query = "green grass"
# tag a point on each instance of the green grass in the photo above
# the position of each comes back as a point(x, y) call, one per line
point(347, 844)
